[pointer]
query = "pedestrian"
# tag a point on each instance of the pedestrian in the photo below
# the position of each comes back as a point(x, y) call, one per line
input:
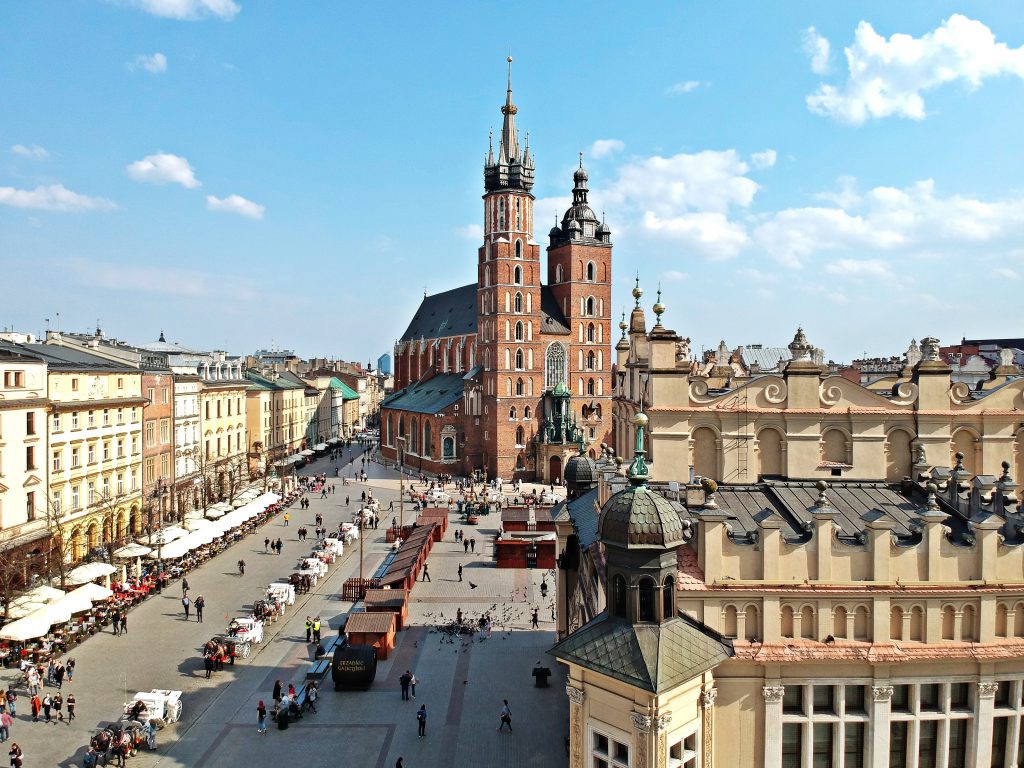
point(71, 707)
point(47, 706)
point(426, 573)
point(151, 733)
point(412, 684)
point(534, 619)
point(58, 675)
point(12, 702)
point(312, 693)
point(16, 755)
point(124, 621)
point(200, 604)
point(71, 669)
point(309, 628)
point(51, 667)
point(277, 691)
point(316, 630)
point(404, 681)
point(36, 706)
point(465, 545)
point(58, 707)
point(286, 519)
point(261, 717)
point(186, 603)
point(184, 586)
point(115, 622)
point(472, 544)
point(460, 571)
point(280, 546)
point(421, 718)
point(208, 664)
point(505, 716)
point(266, 544)
point(346, 504)
point(5, 727)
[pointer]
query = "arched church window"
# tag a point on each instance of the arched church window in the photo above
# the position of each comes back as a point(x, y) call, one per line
point(526, 412)
point(590, 361)
point(487, 276)
point(558, 273)
point(519, 246)
point(448, 447)
point(427, 441)
point(619, 596)
point(501, 213)
point(645, 595)
point(554, 366)
point(590, 332)
point(590, 306)
point(519, 330)
point(518, 227)
point(668, 598)
point(519, 360)
point(590, 270)
point(518, 301)
point(512, 413)
point(519, 387)
point(520, 436)
point(590, 386)
point(517, 277)
point(415, 435)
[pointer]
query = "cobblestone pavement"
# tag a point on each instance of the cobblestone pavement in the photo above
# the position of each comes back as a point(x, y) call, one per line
point(462, 683)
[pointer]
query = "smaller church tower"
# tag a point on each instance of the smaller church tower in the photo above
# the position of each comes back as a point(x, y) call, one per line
point(640, 684)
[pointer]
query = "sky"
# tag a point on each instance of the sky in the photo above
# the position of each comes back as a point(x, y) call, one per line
point(247, 173)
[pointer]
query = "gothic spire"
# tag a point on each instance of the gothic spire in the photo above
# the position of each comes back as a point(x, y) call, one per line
point(509, 149)
point(512, 168)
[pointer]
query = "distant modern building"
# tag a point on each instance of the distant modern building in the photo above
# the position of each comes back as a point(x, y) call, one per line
point(384, 364)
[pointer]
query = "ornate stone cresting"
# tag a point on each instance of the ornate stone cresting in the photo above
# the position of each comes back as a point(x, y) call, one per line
point(773, 693)
point(881, 692)
point(661, 722)
point(987, 690)
point(800, 348)
point(575, 695)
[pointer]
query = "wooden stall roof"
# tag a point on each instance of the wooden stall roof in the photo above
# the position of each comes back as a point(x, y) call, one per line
point(522, 514)
point(376, 623)
point(408, 553)
point(385, 598)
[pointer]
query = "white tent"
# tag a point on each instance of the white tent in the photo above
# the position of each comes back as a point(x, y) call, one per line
point(132, 550)
point(29, 628)
point(233, 520)
point(171, 533)
point(56, 613)
point(94, 592)
point(72, 602)
point(88, 572)
point(175, 549)
point(19, 609)
point(221, 505)
point(42, 594)
point(195, 523)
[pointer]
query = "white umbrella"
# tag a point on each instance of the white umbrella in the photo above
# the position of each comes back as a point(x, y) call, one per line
point(195, 523)
point(88, 572)
point(72, 602)
point(29, 628)
point(176, 549)
point(214, 512)
point(42, 594)
point(170, 533)
point(94, 592)
point(55, 612)
point(223, 505)
point(19, 609)
point(132, 550)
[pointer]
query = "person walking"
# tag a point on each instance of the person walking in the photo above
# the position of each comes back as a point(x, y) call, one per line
point(36, 707)
point(505, 716)
point(534, 618)
point(472, 544)
point(200, 604)
point(404, 680)
point(460, 571)
point(58, 707)
point(261, 717)
point(58, 675)
point(71, 669)
point(208, 664)
point(17, 756)
point(47, 706)
point(266, 544)
point(399, 763)
point(421, 719)
point(151, 733)
point(124, 621)
point(12, 702)
point(277, 692)
point(312, 694)
point(184, 586)
point(115, 622)
point(186, 604)
point(412, 684)
point(287, 517)
point(280, 546)
point(5, 727)
point(465, 545)
point(426, 573)
point(71, 707)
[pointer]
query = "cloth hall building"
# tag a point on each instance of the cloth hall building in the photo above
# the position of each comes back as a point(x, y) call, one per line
point(510, 374)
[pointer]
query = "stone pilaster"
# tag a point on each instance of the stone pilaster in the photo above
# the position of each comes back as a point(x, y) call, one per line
point(576, 697)
point(881, 698)
point(641, 739)
point(983, 722)
point(773, 725)
point(707, 712)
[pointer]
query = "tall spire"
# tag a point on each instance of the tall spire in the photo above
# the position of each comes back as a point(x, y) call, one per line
point(509, 149)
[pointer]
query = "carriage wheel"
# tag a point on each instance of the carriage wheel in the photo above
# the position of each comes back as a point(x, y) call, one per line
point(244, 651)
point(174, 712)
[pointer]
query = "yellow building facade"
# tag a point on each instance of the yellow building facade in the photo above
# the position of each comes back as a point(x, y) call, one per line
point(222, 464)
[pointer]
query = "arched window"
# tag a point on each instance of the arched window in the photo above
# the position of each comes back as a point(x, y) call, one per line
point(619, 596)
point(526, 412)
point(448, 447)
point(517, 276)
point(554, 366)
point(590, 306)
point(668, 598)
point(501, 213)
point(512, 412)
point(518, 225)
point(519, 387)
point(519, 243)
point(519, 330)
point(590, 361)
point(487, 276)
point(401, 426)
point(558, 273)
point(590, 332)
point(415, 441)
point(518, 303)
point(590, 270)
point(729, 621)
point(519, 360)
point(590, 386)
point(427, 442)
point(520, 436)
point(390, 439)
point(645, 595)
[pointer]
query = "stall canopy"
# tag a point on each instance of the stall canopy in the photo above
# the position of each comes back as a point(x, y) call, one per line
point(334, 441)
point(93, 592)
point(170, 533)
point(132, 550)
point(307, 453)
point(72, 602)
point(195, 523)
point(214, 512)
point(88, 572)
point(19, 609)
point(29, 628)
point(42, 594)
point(222, 505)
point(320, 447)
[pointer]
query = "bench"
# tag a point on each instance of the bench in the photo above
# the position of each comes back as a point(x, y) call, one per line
point(318, 670)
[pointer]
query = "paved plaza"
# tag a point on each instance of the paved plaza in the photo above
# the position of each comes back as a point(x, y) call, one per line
point(461, 682)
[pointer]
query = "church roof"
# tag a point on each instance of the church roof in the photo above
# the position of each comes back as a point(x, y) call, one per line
point(453, 313)
point(430, 396)
point(347, 393)
point(652, 657)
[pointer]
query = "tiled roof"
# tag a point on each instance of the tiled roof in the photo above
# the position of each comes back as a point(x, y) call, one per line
point(451, 313)
point(640, 517)
point(552, 319)
point(347, 393)
point(853, 503)
point(766, 358)
point(652, 657)
point(430, 396)
point(690, 575)
point(583, 512)
point(522, 514)
point(372, 622)
point(385, 598)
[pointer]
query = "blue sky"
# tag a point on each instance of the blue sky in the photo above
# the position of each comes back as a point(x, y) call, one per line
point(237, 172)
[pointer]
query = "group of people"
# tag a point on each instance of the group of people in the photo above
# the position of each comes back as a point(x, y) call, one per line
point(215, 653)
point(275, 546)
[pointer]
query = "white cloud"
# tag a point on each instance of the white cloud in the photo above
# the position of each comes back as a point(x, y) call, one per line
point(164, 169)
point(604, 147)
point(868, 268)
point(55, 197)
point(30, 150)
point(687, 86)
point(155, 63)
point(189, 10)
point(1007, 273)
point(235, 204)
point(712, 233)
point(471, 232)
point(764, 159)
point(818, 51)
point(889, 76)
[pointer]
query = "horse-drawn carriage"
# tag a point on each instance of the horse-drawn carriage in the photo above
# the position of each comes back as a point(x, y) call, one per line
point(158, 704)
point(227, 648)
point(246, 629)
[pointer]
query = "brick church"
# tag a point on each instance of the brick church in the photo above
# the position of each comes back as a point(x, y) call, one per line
point(508, 375)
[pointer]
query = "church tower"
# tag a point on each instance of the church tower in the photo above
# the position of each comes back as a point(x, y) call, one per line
point(509, 300)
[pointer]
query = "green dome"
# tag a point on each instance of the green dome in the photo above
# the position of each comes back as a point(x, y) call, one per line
point(640, 517)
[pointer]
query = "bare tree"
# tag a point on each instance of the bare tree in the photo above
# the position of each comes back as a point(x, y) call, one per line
point(59, 525)
point(236, 474)
point(13, 574)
